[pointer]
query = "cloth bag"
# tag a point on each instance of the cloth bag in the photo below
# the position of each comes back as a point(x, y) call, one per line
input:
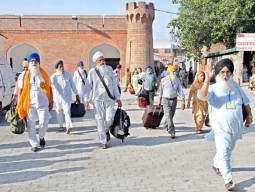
point(17, 125)
point(77, 109)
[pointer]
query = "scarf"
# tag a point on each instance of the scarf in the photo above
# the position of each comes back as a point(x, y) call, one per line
point(24, 100)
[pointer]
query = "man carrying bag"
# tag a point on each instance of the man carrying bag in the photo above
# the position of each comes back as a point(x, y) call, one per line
point(103, 101)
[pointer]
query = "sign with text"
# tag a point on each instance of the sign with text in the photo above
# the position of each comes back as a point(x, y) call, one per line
point(245, 42)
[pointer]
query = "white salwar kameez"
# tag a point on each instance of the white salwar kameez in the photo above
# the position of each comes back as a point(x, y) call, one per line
point(62, 95)
point(103, 104)
point(80, 86)
point(227, 124)
point(38, 110)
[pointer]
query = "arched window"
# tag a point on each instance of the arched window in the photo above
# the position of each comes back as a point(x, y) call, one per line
point(137, 18)
point(144, 18)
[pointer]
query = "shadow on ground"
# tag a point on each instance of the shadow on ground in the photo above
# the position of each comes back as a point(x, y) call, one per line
point(244, 185)
point(33, 175)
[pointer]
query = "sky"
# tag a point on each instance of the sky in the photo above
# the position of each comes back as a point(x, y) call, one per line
point(90, 7)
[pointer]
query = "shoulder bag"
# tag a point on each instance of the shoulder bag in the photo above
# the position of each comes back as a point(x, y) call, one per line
point(102, 80)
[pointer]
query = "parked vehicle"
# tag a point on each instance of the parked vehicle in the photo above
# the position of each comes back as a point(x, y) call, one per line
point(7, 85)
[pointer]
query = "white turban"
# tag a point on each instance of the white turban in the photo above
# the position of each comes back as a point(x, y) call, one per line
point(97, 55)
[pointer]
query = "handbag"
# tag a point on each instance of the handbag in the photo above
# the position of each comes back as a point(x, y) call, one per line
point(131, 90)
point(77, 109)
point(17, 125)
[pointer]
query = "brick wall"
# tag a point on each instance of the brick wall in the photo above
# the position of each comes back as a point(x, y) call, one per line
point(71, 39)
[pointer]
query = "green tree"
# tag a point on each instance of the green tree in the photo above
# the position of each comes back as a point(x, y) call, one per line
point(206, 22)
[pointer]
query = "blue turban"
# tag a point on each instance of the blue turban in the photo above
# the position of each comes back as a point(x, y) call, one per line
point(79, 63)
point(58, 63)
point(148, 67)
point(33, 56)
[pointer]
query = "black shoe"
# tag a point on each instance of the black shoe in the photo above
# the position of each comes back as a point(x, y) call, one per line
point(42, 142)
point(61, 129)
point(34, 149)
point(108, 136)
point(172, 135)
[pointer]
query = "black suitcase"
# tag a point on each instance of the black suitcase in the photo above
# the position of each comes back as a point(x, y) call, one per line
point(152, 116)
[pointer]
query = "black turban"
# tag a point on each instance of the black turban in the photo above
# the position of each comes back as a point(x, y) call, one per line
point(224, 63)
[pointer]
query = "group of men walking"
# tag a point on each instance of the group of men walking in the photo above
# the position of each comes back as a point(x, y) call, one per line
point(36, 91)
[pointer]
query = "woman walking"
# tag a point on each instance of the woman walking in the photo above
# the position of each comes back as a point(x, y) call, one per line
point(199, 107)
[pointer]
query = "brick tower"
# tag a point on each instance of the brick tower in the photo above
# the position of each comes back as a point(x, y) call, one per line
point(139, 18)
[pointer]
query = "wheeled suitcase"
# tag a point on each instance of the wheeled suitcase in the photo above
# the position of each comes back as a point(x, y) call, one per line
point(141, 101)
point(152, 116)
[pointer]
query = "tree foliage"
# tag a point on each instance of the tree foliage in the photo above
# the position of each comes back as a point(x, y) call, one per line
point(195, 27)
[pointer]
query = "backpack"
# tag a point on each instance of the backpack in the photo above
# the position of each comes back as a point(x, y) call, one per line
point(121, 124)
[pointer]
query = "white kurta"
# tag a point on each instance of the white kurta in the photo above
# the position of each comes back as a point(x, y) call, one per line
point(80, 86)
point(62, 95)
point(103, 104)
point(38, 110)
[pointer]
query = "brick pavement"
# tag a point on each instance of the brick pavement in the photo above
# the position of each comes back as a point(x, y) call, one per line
point(148, 160)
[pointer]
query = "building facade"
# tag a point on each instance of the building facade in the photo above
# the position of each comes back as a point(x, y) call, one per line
point(167, 53)
point(123, 39)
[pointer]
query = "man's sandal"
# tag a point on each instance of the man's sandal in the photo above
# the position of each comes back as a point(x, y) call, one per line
point(103, 146)
point(217, 171)
point(230, 186)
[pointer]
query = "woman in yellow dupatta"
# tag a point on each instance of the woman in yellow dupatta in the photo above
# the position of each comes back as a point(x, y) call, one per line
point(199, 107)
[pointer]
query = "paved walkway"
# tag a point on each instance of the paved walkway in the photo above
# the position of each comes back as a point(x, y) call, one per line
point(148, 160)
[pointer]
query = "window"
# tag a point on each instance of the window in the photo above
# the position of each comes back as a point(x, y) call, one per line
point(155, 50)
point(167, 50)
point(176, 60)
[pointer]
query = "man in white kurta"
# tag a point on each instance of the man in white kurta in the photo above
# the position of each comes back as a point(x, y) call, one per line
point(37, 91)
point(103, 104)
point(62, 84)
point(225, 99)
point(79, 79)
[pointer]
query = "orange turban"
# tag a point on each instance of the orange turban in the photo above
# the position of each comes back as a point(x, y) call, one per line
point(170, 69)
point(25, 64)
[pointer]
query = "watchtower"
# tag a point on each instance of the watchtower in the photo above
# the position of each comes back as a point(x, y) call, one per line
point(139, 18)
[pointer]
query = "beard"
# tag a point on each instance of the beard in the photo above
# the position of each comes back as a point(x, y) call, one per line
point(225, 85)
point(173, 77)
point(81, 70)
point(103, 70)
point(35, 70)
point(60, 72)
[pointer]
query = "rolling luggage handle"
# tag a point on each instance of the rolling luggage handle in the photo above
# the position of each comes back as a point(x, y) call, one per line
point(154, 113)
